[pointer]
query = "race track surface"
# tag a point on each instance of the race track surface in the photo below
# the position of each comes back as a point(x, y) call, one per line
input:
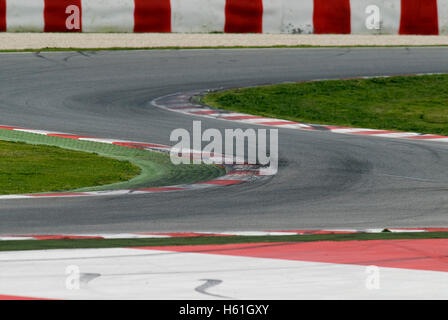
point(324, 181)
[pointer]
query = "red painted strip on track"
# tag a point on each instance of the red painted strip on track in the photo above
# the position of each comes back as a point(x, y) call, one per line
point(243, 173)
point(8, 128)
point(242, 117)
point(152, 16)
point(55, 15)
point(68, 136)
point(204, 112)
point(423, 254)
point(244, 16)
point(332, 16)
point(161, 189)
point(222, 182)
point(419, 17)
point(2, 15)
point(277, 123)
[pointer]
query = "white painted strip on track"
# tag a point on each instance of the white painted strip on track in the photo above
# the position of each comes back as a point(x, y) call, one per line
point(126, 236)
point(110, 192)
point(249, 121)
point(254, 233)
point(42, 132)
point(397, 135)
point(436, 140)
point(394, 230)
point(351, 130)
point(14, 197)
point(206, 115)
point(189, 110)
point(235, 114)
point(257, 121)
point(292, 126)
point(100, 140)
point(151, 274)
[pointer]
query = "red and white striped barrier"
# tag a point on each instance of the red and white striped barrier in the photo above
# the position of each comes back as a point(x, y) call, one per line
point(426, 17)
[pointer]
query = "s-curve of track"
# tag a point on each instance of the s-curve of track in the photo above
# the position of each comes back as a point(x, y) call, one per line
point(325, 180)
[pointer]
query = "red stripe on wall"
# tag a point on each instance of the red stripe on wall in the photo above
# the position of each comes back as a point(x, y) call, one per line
point(332, 16)
point(419, 17)
point(63, 16)
point(244, 16)
point(152, 16)
point(2, 15)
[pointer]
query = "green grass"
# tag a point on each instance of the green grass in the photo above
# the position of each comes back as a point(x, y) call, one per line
point(151, 169)
point(118, 243)
point(407, 103)
point(28, 168)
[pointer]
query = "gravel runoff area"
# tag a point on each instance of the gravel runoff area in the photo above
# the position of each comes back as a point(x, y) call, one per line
point(20, 41)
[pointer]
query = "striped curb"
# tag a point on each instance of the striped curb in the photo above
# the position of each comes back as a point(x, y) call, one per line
point(159, 235)
point(185, 103)
point(235, 173)
point(425, 17)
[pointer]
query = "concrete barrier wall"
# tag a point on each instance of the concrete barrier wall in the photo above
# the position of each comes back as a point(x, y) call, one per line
point(427, 17)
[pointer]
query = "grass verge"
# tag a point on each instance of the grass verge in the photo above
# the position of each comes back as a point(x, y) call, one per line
point(26, 168)
point(406, 103)
point(118, 243)
point(155, 169)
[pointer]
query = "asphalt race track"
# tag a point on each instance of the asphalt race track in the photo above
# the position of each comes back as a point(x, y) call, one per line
point(325, 180)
